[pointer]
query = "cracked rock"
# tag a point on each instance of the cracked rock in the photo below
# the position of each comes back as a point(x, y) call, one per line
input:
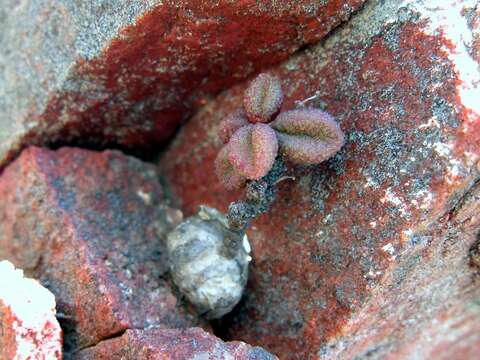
point(129, 72)
point(402, 80)
point(91, 227)
point(172, 344)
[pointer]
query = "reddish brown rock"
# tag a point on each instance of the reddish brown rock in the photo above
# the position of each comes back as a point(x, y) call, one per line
point(28, 326)
point(427, 307)
point(123, 72)
point(90, 226)
point(402, 82)
point(172, 344)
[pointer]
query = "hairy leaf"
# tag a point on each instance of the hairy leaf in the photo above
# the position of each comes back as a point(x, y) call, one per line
point(252, 150)
point(263, 98)
point(232, 123)
point(228, 176)
point(308, 136)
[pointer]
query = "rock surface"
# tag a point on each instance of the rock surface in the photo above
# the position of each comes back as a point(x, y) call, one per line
point(126, 72)
point(90, 226)
point(28, 326)
point(172, 344)
point(402, 79)
point(428, 307)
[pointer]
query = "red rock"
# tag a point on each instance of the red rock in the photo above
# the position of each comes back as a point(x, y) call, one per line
point(172, 344)
point(427, 306)
point(123, 72)
point(401, 81)
point(90, 226)
point(28, 326)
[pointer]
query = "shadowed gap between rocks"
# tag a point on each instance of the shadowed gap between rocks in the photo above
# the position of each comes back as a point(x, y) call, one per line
point(150, 153)
point(118, 334)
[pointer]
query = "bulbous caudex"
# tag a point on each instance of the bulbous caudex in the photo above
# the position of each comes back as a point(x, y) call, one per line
point(209, 262)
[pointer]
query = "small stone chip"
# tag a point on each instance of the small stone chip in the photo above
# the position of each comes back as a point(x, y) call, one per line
point(29, 328)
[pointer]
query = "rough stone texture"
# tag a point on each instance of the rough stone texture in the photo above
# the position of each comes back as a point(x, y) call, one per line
point(473, 16)
point(90, 226)
point(29, 329)
point(172, 344)
point(128, 72)
point(402, 80)
point(428, 307)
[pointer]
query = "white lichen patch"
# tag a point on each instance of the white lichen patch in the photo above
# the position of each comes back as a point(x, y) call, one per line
point(372, 275)
point(443, 150)
point(389, 249)
point(393, 199)
point(370, 183)
point(431, 123)
point(455, 168)
point(407, 234)
point(37, 331)
point(447, 18)
point(146, 197)
point(422, 199)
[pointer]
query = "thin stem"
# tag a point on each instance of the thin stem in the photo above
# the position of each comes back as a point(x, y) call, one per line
point(259, 196)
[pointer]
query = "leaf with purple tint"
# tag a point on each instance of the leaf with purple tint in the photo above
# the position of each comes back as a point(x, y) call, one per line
point(228, 176)
point(252, 150)
point(308, 136)
point(232, 123)
point(263, 98)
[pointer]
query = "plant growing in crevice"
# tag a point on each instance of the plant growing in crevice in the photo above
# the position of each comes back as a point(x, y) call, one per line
point(209, 253)
point(258, 137)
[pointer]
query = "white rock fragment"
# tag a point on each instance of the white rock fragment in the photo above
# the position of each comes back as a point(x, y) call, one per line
point(447, 17)
point(29, 327)
point(392, 198)
point(389, 249)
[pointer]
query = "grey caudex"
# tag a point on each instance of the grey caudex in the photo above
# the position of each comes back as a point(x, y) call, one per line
point(209, 262)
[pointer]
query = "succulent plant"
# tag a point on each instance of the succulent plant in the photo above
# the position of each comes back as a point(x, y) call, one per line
point(263, 98)
point(256, 134)
point(209, 262)
point(308, 136)
point(230, 178)
point(209, 252)
point(252, 150)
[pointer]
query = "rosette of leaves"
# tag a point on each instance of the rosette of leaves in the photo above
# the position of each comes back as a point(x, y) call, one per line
point(255, 134)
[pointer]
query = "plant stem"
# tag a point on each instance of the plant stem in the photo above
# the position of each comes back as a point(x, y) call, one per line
point(259, 195)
